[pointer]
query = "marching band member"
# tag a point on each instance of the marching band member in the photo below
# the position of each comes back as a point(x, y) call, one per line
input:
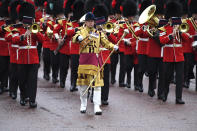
point(90, 61)
point(154, 59)
point(193, 28)
point(142, 45)
point(129, 12)
point(59, 32)
point(27, 55)
point(173, 52)
point(4, 52)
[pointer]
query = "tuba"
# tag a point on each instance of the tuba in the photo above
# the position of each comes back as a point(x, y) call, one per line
point(148, 15)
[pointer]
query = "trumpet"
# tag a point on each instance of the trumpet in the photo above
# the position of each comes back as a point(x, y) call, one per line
point(184, 27)
point(35, 28)
point(109, 27)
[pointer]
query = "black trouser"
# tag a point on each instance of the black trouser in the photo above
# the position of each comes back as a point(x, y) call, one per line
point(64, 65)
point(142, 67)
point(155, 66)
point(136, 77)
point(168, 71)
point(188, 65)
point(46, 61)
point(114, 62)
point(196, 74)
point(4, 71)
point(105, 88)
point(13, 81)
point(122, 68)
point(28, 74)
point(54, 64)
point(39, 48)
point(74, 68)
point(129, 66)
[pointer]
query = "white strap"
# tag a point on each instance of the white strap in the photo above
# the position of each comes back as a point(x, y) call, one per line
point(15, 46)
point(144, 39)
point(173, 45)
point(27, 47)
point(17, 34)
point(2, 39)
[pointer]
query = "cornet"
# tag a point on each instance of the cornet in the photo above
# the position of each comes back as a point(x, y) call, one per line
point(35, 28)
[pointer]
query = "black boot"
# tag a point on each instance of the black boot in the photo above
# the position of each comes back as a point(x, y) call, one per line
point(140, 88)
point(179, 101)
point(73, 88)
point(62, 84)
point(32, 104)
point(46, 76)
point(55, 80)
point(113, 81)
point(22, 102)
point(13, 95)
point(122, 85)
point(151, 93)
point(1, 90)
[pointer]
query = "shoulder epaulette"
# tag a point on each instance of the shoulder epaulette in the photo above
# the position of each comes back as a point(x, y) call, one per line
point(8, 29)
point(136, 24)
point(162, 29)
point(60, 22)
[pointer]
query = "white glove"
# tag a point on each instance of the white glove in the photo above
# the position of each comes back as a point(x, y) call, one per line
point(127, 41)
point(126, 31)
point(116, 47)
point(80, 38)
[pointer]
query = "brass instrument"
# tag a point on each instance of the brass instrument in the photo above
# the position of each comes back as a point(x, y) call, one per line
point(193, 23)
point(109, 27)
point(184, 27)
point(149, 17)
point(35, 28)
point(130, 29)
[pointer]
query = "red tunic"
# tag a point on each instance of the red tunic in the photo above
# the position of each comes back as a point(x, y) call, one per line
point(143, 40)
point(27, 51)
point(187, 45)
point(172, 50)
point(59, 32)
point(4, 51)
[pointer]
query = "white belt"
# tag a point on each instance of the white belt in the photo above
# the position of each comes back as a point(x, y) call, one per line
point(24, 47)
point(27, 47)
point(144, 39)
point(15, 46)
point(173, 45)
point(2, 39)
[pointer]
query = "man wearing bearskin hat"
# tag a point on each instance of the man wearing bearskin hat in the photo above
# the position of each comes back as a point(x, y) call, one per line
point(27, 54)
point(4, 52)
point(193, 32)
point(154, 60)
point(142, 33)
point(129, 11)
point(173, 57)
point(60, 30)
point(90, 62)
point(187, 46)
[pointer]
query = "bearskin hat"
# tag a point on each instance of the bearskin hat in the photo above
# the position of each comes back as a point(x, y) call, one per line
point(78, 9)
point(49, 7)
point(13, 12)
point(58, 7)
point(129, 8)
point(144, 5)
point(4, 8)
point(184, 7)
point(173, 9)
point(192, 6)
point(90, 4)
point(109, 6)
point(68, 6)
point(160, 6)
point(26, 9)
point(39, 2)
point(116, 6)
point(101, 10)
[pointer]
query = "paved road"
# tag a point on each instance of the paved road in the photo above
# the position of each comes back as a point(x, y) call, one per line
point(128, 110)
